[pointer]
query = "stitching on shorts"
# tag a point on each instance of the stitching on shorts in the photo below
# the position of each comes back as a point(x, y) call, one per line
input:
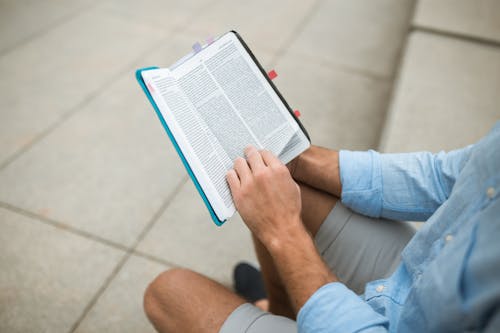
point(253, 321)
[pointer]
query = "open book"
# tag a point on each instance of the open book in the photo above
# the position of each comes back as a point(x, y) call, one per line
point(213, 103)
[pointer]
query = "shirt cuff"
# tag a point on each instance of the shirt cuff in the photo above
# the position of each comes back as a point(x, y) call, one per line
point(361, 178)
point(335, 308)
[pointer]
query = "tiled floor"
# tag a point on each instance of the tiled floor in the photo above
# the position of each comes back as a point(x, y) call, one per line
point(446, 95)
point(460, 81)
point(93, 200)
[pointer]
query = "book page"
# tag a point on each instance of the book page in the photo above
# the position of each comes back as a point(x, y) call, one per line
point(244, 91)
point(196, 142)
point(221, 102)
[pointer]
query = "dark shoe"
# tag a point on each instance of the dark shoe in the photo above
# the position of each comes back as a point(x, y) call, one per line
point(248, 282)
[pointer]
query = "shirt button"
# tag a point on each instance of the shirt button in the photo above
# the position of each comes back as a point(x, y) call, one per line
point(380, 288)
point(448, 238)
point(490, 192)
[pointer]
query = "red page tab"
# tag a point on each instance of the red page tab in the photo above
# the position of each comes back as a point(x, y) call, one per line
point(272, 74)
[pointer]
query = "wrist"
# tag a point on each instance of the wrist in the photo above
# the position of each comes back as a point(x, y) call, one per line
point(294, 235)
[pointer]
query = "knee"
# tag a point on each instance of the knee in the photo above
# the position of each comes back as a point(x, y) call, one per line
point(164, 292)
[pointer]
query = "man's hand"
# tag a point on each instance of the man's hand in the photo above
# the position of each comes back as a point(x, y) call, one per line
point(266, 196)
point(319, 168)
point(269, 202)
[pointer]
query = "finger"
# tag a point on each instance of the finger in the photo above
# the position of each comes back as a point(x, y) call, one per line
point(242, 170)
point(254, 158)
point(270, 159)
point(233, 181)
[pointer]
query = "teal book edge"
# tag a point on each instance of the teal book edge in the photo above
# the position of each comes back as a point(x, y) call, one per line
point(138, 76)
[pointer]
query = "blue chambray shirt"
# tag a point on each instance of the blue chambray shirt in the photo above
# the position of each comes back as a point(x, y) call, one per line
point(449, 276)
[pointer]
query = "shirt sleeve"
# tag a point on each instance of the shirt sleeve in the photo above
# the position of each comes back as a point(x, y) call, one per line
point(335, 308)
point(407, 186)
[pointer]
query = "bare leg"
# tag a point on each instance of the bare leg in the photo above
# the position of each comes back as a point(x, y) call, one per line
point(180, 300)
point(315, 208)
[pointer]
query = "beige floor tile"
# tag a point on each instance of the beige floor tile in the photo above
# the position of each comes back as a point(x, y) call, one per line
point(107, 170)
point(21, 20)
point(265, 25)
point(363, 35)
point(479, 18)
point(119, 309)
point(447, 95)
point(340, 109)
point(186, 236)
point(164, 14)
point(43, 79)
point(48, 275)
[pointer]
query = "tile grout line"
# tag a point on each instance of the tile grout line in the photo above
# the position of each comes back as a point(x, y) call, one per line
point(159, 212)
point(130, 251)
point(101, 290)
point(70, 229)
point(48, 28)
point(339, 66)
point(62, 226)
point(155, 259)
point(455, 35)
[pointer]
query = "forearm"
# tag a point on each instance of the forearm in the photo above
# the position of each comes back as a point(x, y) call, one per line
point(318, 167)
point(299, 265)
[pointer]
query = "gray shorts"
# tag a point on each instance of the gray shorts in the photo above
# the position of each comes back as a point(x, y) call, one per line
point(357, 248)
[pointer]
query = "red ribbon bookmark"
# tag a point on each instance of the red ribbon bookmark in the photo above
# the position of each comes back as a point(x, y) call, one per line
point(296, 113)
point(272, 74)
